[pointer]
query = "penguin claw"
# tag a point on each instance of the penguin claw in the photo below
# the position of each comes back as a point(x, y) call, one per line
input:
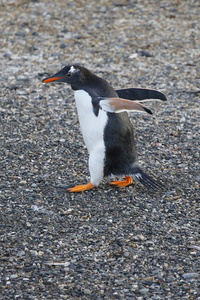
point(123, 183)
point(80, 188)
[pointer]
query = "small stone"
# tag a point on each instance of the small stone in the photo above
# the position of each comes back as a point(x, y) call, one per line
point(14, 276)
point(21, 253)
point(118, 282)
point(194, 246)
point(145, 53)
point(182, 120)
point(35, 207)
point(22, 78)
point(126, 254)
point(66, 269)
point(41, 286)
point(63, 45)
point(62, 140)
point(170, 193)
point(7, 54)
point(21, 93)
point(87, 292)
point(34, 252)
point(33, 185)
point(13, 86)
point(190, 275)
point(144, 291)
point(175, 133)
point(141, 237)
point(20, 34)
point(22, 182)
point(134, 55)
point(134, 286)
point(198, 178)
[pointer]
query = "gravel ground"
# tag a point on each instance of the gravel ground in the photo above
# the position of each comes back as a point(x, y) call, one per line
point(107, 243)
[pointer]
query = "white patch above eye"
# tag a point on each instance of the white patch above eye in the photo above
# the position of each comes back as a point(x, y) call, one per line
point(72, 70)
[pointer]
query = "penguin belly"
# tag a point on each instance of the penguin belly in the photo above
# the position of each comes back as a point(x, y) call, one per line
point(92, 128)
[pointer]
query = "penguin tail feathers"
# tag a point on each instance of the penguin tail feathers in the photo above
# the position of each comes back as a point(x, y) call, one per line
point(145, 179)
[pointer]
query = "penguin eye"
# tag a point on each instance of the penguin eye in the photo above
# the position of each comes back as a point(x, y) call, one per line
point(68, 74)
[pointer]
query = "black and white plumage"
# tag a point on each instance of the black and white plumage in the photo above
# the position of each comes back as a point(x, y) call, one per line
point(105, 125)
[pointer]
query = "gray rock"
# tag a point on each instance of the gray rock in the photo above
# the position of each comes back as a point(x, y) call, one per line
point(87, 292)
point(144, 291)
point(21, 253)
point(190, 275)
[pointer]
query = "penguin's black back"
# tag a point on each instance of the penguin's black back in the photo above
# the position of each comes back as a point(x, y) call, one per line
point(119, 144)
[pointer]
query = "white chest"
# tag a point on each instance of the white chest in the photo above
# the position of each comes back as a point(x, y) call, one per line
point(92, 126)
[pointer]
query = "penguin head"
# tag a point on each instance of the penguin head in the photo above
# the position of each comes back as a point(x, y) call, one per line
point(74, 75)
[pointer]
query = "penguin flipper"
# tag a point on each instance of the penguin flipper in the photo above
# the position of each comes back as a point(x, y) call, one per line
point(117, 105)
point(141, 94)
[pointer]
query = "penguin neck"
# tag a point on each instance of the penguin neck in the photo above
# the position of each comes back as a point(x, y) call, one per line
point(94, 86)
point(88, 80)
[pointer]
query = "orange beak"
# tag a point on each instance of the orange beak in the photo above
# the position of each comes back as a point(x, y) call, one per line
point(52, 79)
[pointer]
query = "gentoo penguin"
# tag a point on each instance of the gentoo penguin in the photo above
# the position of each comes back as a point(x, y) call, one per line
point(106, 127)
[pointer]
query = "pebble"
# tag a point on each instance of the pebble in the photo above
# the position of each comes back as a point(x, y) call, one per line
point(182, 120)
point(144, 291)
point(145, 53)
point(22, 182)
point(126, 254)
point(34, 252)
point(63, 46)
point(197, 178)
point(170, 193)
point(21, 253)
point(62, 140)
point(118, 282)
point(141, 237)
point(87, 292)
point(134, 55)
point(14, 276)
point(21, 78)
point(33, 185)
point(190, 275)
point(194, 246)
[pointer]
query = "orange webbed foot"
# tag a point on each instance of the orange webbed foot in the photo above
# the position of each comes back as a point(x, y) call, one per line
point(80, 188)
point(122, 183)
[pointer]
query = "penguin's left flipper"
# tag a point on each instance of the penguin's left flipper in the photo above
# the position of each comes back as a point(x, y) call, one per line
point(137, 94)
point(81, 188)
point(117, 105)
